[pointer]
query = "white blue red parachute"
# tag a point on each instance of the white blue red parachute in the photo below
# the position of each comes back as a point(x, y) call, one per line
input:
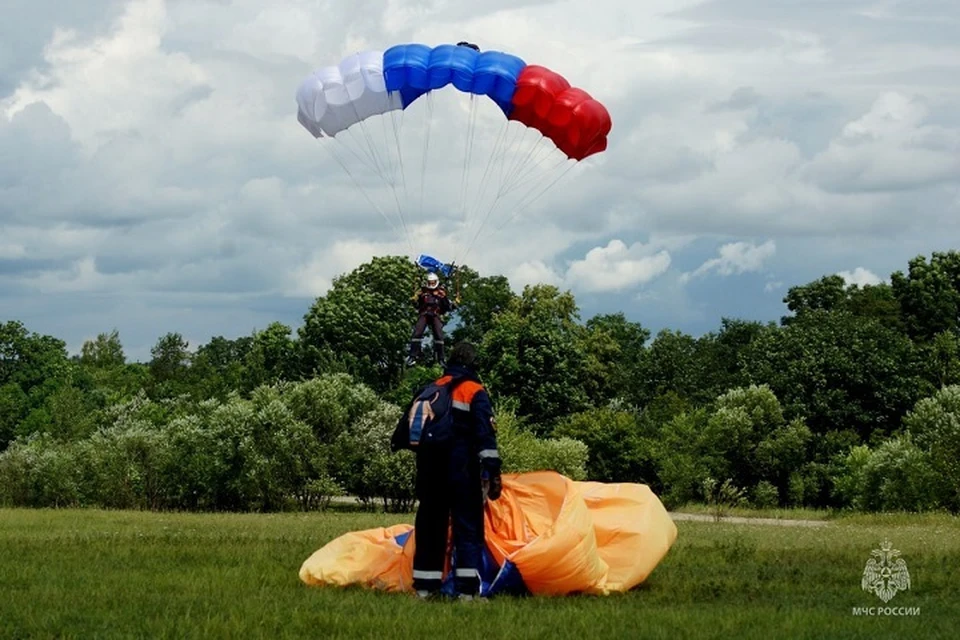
point(372, 83)
point(345, 102)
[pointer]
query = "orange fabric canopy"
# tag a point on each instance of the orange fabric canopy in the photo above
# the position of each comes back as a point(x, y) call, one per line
point(563, 536)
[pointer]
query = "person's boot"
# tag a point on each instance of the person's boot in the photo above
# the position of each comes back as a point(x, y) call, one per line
point(414, 352)
point(438, 352)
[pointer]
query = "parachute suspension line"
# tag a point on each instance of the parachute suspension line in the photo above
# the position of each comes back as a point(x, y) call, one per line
point(468, 154)
point(529, 201)
point(511, 141)
point(426, 145)
point(346, 169)
point(503, 181)
point(375, 170)
point(380, 166)
point(465, 177)
point(370, 160)
point(531, 169)
point(365, 159)
point(397, 129)
point(484, 184)
point(396, 138)
point(368, 138)
point(525, 202)
point(516, 174)
point(392, 182)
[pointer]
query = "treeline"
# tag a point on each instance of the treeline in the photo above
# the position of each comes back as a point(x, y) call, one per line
point(850, 401)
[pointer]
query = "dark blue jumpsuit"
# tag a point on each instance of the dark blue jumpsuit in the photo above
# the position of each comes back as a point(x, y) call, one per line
point(449, 485)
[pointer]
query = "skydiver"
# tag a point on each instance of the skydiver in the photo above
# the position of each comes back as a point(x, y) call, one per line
point(470, 45)
point(455, 474)
point(432, 302)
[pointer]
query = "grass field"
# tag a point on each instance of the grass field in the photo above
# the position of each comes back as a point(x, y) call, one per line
point(91, 574)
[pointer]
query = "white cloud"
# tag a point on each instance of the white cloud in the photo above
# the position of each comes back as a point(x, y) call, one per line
point(532, 273)
point(860, 277)
point(736, 258)
point(616, 267)
point(149, 151)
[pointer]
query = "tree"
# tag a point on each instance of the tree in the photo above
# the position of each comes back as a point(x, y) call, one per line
point(534, 352)
point(669, 364)
point(826, 294)
point(719, 356)
point(169, 364)
point(104, 352)
point(482, 298)
point(831, 293)
point(838, 372)
point(363, 324)
point(29, 359)
point(272, 357)
point(32, 368)
point(929, 295)
point(628, 340)
point(218, 367)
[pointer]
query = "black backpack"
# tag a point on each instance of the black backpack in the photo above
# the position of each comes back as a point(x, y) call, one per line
point(429, 419)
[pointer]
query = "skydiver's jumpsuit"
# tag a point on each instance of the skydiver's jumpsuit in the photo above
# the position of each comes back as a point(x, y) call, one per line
point(449, 484)
point(431, 303)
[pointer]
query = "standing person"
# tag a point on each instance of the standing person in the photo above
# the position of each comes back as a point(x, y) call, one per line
point(457, 461)
point(432, 303)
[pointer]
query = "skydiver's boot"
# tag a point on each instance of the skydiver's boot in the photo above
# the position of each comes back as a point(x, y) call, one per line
point(414, 351)
point(438, 352)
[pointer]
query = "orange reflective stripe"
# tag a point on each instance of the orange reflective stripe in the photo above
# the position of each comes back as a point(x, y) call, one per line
point(464, 393)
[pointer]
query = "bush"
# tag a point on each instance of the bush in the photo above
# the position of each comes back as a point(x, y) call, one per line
point(897, 476)
point(765, 495)
point(522, 451)
point(616, 453)
point(39, 472)
point(682, 466)
point(364, 465)
point(934, 424)
point(329, 403)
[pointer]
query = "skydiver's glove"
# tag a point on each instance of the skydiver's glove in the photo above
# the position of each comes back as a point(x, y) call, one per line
point(496, 486)
point(492, 484)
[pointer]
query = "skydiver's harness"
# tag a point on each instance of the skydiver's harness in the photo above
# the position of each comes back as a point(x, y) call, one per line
point(431, 301)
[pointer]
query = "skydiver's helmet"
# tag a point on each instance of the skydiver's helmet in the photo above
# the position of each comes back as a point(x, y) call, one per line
point(432, 281)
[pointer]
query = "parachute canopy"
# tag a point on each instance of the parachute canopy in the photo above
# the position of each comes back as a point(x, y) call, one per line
point(360, 110)
point(370, 83)
point(546, 534)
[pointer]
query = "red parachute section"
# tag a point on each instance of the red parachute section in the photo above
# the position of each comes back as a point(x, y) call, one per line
point(544, 100)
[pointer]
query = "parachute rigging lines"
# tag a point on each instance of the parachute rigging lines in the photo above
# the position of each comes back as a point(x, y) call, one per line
point(512, 129)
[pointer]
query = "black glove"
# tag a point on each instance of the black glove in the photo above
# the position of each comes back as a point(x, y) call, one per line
point(493, 485)
point(496, 486)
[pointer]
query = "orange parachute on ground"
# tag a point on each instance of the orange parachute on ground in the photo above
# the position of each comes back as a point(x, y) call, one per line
point(546, 534)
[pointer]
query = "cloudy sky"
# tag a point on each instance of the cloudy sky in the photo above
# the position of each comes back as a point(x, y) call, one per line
point(154, 177)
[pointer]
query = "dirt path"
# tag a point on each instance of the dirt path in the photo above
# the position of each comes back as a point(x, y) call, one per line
point(695, 517)
point(783, 522)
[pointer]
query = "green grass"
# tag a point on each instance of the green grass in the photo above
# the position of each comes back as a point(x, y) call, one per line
point(90, 574)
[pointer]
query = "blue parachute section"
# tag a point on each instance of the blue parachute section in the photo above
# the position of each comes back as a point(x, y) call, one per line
point(414, 69)
point(494, 579)
point(432, 264)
